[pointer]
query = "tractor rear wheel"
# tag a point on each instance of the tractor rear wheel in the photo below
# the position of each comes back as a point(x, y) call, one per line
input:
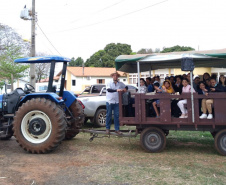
point(39, 125)
point(77, 111)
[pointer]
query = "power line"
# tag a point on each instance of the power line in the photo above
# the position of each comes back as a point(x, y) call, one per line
point(101, 10)
point(48, 39)
point(112, 18)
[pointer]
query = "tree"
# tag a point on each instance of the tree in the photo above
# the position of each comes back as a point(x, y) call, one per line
point(106, 57)
point(157, 50)
point(145, 51)
point(12, 47)
point(177, 48)
point(76, 63)
point(41, 69)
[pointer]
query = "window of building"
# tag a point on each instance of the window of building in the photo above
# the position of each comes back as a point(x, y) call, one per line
point(73, 82)
point(133, 78)
point(100, 81)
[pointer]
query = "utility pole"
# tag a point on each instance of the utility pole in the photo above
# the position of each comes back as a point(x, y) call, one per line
point(32, 66)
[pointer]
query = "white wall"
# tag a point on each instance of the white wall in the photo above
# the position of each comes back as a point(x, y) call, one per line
point(161, 72)
point(81, 82)
point(17, 84)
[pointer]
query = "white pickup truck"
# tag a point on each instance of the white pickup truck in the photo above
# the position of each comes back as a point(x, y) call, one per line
point(95, 105)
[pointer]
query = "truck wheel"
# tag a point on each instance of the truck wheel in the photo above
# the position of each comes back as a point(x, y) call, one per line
point(39, 125)
point(100, 117)
point(153, 139)
point(78, 113)
point(220, 142)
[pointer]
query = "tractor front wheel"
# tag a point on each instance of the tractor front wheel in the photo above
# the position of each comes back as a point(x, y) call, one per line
point(39, 125)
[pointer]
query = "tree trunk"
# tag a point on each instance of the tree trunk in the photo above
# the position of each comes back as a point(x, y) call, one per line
point(12, 82)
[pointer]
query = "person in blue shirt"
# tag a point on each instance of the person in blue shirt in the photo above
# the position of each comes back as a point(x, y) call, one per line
point(150, 87)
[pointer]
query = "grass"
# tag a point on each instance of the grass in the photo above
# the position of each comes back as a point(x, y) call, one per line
point(189, 158)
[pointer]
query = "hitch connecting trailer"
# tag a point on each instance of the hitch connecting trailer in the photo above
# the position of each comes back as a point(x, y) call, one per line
point(95, 133)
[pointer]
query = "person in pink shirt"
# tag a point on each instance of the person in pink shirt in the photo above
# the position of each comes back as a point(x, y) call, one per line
point(186, 89)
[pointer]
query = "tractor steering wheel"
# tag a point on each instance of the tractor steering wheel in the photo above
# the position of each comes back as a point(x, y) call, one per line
point(29, 88)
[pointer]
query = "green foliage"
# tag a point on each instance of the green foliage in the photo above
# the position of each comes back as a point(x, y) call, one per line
point(106, 57)
point(177, 48)
point(76, 63)
point(2, 83)
point(12, 47)
point(8, 67)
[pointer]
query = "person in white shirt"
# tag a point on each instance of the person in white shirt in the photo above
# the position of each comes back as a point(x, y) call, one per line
point(112, 102)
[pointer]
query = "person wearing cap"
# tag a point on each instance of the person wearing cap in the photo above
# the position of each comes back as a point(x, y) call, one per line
point(112, 102)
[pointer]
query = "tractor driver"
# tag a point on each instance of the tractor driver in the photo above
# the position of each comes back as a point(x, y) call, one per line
point(112, 102)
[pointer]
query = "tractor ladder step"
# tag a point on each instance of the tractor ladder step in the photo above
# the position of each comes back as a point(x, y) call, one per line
point(8, 115)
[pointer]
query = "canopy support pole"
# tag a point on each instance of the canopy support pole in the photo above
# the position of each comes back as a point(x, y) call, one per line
point(192, 98)
point(138, 73)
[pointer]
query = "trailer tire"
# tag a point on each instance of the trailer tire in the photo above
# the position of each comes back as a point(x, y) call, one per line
point(220, 142)
point(100, 117)
point(77, 111)
point(153, 139)
point(39, 125)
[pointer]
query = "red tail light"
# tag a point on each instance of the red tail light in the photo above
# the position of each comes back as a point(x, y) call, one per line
point(83, 106)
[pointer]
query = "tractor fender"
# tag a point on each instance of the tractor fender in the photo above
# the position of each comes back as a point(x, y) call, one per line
point(69, 97)
point(50, 96)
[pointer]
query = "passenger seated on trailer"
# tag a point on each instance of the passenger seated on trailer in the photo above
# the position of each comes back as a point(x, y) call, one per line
point(166, 88)
point(157, 78)
point(206, 104)
point(149, 84)
point(175, 111)
point(222, 80)
point(196, 83)
point(178, 84)
point(186, 89)
point(143, 86)
point(172, 80)
point(206, 76)
point(207, 82)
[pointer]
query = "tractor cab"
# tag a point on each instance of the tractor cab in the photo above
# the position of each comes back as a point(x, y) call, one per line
point(47, 59)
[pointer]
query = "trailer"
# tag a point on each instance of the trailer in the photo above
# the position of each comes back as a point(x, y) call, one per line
point(152, 130)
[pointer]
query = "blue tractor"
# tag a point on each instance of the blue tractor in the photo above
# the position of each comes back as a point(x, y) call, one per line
point(40, 121)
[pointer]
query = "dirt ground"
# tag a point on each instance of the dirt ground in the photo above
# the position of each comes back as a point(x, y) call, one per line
point(187, 159)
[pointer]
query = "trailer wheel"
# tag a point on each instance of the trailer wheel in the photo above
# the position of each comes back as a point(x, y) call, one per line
point(153, 139)
point(39, 125)
point(100, 117)
point(78, 113)
point(220, 142)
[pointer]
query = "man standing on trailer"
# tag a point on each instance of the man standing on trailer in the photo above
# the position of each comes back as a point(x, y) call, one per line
point(112, 102)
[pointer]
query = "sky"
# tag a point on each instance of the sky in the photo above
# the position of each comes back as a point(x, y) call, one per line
point(78, 28)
